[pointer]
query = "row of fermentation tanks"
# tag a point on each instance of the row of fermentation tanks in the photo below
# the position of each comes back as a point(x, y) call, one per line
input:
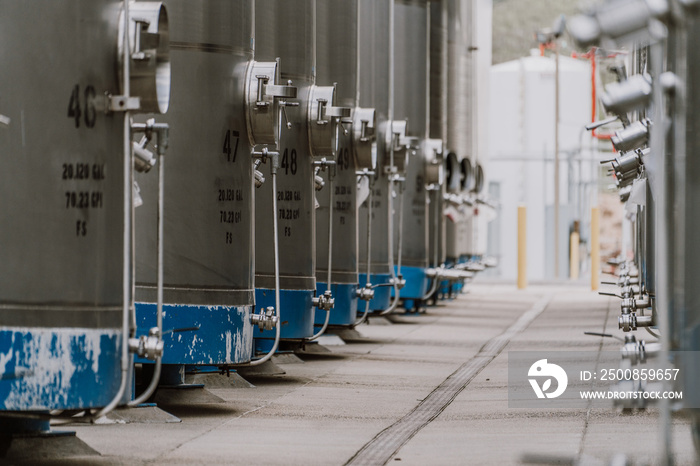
point(196, 186)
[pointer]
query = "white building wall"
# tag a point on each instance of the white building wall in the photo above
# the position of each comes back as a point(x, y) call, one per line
point(521, 144)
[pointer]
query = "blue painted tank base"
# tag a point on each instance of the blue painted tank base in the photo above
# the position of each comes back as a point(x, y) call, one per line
point(382, 294)
point(58, 368)
point(417, 283)
point(414, 306)
point(344, 313)
point(208, 335)
point(296, 314)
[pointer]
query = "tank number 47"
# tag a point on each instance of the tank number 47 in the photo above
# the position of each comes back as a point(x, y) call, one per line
point(231, 154)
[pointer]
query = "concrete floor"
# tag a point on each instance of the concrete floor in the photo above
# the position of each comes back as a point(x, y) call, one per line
point(324, 409)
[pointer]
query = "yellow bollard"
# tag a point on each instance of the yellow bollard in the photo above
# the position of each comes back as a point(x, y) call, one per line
point(573, 255)
point(522, 247)
point(595, 248)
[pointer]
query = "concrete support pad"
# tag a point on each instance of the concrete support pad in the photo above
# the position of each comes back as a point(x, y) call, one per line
point(287, 358)
point(34, 448)
point(186, 395)
point(142, 415)
point(378, 320)
point(313, 348)
point(349, 334)
point(265, 369)
point(330, 340)
point(230, 380)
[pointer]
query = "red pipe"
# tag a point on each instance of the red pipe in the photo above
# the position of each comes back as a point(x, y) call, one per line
point(591, 56)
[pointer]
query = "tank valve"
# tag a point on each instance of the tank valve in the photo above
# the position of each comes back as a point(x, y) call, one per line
point(628, 322)
point(325, 302)
point(149, 347)
point(616, 20)
point(365, 293)
point(638, 352)
point(627, 96)
point(399, 281)
point(318, 180)
point(632, 137)
point(144, 159)
point(266, 320)
point(471, 267)
point(259, 177)
point(635, 394)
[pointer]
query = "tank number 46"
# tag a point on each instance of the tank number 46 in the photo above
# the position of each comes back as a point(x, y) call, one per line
point(85, 109)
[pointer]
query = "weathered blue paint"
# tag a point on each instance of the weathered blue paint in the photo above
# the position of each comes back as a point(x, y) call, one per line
point(382, 294)
point(345, 311)
point(58, 368)
point(296, 313)
point(222, 336)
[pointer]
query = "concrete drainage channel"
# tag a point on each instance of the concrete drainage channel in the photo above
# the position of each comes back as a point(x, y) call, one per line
point(382, 447)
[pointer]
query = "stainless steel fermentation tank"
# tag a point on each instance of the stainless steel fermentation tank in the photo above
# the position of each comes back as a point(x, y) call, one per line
point(66, 193)
point(449, 51)
point(437, 125)
point(375, 91)
point(422, 185)
point(460, 123)
point(337, 62)
point(208, 194)
point(476, 222)
point(307, 141)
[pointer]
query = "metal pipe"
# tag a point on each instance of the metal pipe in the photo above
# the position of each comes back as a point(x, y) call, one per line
point(369, 244)
point(330, 247)
point(392, 165)
point(159, 284)
point(273, 170)
point(436, 280)
point(400, 246)
point(128, 205)
point(394, 274)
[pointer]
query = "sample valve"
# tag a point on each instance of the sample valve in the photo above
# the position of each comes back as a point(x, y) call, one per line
point(638, 352)
point(366, 293)
point(266, 320)
point(325, 302)
point(147, 346)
